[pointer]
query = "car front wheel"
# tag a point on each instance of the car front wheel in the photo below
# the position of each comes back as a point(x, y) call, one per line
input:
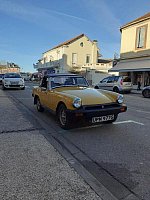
point(38, 105)
point(115, 89)
point(146, 93)
point(63, 119)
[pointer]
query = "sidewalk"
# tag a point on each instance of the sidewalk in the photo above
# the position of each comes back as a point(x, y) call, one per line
point(30, 167)
point(135, 91)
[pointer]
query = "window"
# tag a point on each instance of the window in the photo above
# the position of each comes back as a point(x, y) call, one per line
point(126, 79)
point(88, 58)
point(116, 78)
point(104, 80)
point(81, 44)
point(74, 58)
point(64, 81)
point(111, 79)
point(12, 75)
point(141, 34)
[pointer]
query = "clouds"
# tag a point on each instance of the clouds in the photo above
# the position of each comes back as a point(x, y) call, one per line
point(101, 13)
point(32, 13)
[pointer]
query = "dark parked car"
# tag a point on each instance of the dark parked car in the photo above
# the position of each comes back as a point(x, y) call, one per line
point(1, 77)
point(146, 92)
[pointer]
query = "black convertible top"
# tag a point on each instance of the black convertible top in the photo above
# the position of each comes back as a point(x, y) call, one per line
point(62, 74)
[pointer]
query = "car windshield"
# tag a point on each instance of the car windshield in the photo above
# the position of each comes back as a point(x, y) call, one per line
point(1, 75)
point(66, 81)
point(126, 79)
point(12, 76)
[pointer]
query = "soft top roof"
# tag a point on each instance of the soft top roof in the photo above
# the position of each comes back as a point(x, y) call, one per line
point(65, 74)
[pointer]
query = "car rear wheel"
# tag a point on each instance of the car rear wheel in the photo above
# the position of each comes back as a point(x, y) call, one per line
point(63, 119)
point(38, 105)
point(146, 93)
point(96, 87)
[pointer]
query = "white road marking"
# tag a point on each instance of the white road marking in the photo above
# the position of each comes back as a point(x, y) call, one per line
point(128, 121)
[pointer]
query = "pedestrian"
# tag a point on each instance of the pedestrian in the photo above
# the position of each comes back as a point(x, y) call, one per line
point(139, 83)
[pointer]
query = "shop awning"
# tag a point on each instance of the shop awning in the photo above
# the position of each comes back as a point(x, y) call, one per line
point(132, 65)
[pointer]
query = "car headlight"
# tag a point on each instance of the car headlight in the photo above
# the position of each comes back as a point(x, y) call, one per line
point(120, 98)
point(6, 82)
point(21, 81)
point(77, 103)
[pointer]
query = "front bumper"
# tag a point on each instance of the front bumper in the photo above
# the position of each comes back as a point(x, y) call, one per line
point(88, 112)
point(14, 86)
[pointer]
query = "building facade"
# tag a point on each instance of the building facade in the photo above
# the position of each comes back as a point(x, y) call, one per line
point(77, 55)
point(6, 67)
point(135, 50)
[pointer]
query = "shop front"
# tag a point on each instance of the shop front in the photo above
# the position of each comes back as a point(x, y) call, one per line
point(136, 69)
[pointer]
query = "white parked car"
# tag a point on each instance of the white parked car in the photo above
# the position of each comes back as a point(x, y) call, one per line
point(116, 84)
point(13, 80)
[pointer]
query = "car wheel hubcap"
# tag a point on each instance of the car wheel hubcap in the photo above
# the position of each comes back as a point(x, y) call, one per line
point(38, 105)
point(62, 117)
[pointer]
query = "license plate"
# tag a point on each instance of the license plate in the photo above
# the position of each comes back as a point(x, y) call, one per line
point(128, 84)
point(14, 83)
point(102, 118)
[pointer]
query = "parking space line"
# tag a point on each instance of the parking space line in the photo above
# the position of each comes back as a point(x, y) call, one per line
point(128, 121)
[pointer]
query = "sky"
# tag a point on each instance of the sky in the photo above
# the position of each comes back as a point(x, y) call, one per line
point(30, 27)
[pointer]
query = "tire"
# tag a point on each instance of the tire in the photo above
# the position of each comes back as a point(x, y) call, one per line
point(115, 89)
point(96, 87)
point(111, 121)
point(62, 117)
point(38, 105)
point(146, 93)
point(23, 88)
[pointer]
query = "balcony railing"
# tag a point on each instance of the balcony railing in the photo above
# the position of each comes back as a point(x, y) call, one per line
point(47, 65)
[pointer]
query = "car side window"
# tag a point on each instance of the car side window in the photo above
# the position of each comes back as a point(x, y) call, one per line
point(110, 80)
point(116, 78)
point(104, 80)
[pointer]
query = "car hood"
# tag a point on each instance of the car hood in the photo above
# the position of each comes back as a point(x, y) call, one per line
point(89, 95)
point(146, 87)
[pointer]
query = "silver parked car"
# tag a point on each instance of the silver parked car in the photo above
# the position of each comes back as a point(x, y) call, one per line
point(146, 92)
point(115, 83)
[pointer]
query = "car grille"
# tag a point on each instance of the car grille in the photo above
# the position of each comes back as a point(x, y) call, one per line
point(14, 85)
point(102, 106)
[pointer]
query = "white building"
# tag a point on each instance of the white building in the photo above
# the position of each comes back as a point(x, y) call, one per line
point(77, 55)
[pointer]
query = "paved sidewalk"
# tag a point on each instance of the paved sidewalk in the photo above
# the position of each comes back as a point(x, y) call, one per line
point(30, 167)
point(135, 91)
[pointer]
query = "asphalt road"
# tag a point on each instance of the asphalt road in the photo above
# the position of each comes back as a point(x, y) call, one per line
point(117, 154)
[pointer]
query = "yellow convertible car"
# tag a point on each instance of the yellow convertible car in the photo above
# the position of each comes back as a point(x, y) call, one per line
point(72, 100)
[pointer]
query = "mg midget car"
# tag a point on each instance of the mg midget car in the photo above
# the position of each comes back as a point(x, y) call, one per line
point(72, 100)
